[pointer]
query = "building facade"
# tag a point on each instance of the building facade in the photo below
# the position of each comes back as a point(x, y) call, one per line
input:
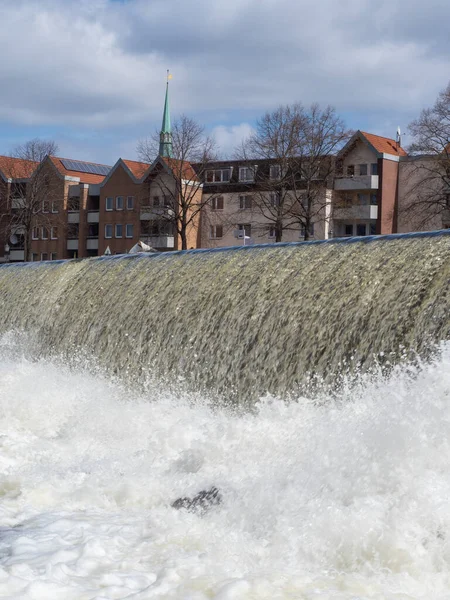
point(82, 209)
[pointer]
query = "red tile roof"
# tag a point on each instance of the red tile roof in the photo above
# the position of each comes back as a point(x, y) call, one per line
point(17, 168)
point(187, 170)
point(384, 144)
point(84, 177)
point(137, 168)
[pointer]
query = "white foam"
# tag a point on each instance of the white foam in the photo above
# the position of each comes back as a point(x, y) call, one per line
point(348, 499)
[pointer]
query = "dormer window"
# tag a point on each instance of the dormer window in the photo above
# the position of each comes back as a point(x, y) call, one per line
point(246, 174)
point(218, 175)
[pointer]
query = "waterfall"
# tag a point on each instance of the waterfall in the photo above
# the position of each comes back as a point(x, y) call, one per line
point(239, 322)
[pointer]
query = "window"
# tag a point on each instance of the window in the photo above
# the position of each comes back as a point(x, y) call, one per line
point(245, 202)
point(272, 232)
point(44, 233)
point(108, 231)
point(350, 170)
point(92, 231)
point(45, 206)
point(119, 203)
point(246, 229)
point(246, 174)
point(363, 199)
point(130, 202)
point(167, 201)
point(363, 169)
point(215, 232)
point(54, 233)
point(34, 257)
point(348, 230)
point(53, 256)
point(217, 203)
point(373, 229)
point(361, 229)
point(156, 201)
point(119, 228)
point(275, 172)
point(218, 175)
point(373, 199)
point(374, 168)
point(109, 203)
point(35, 233)
point(275, 198)
point(129, 230)
point(54, 206)
point(44, 256)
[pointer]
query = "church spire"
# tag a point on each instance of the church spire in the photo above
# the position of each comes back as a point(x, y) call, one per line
point(165, 137)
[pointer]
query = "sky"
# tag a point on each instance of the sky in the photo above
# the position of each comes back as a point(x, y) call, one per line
point(91, 74)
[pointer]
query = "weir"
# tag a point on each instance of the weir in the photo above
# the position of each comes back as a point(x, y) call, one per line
point(239, 322)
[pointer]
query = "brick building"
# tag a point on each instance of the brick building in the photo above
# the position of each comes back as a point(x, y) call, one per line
point(88, 209)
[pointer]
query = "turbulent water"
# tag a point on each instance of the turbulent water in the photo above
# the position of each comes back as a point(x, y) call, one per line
point(345, 499)
point(239, 322)
point(111, 373)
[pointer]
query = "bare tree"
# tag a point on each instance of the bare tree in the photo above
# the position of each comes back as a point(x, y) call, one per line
point(192, 151)
point(297, 146)
point(30, 194)
point(429, 190)
point(274, 146)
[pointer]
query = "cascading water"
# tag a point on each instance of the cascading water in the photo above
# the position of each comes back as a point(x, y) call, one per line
point(341, 498)
point(239, 322)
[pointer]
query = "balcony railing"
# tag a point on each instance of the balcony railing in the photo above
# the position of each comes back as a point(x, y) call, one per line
point(356, 182)
point(356, 211)
point(93, 216)
point(153, 213)
point(160, 241)
point(73, 216)
point(92, 243)
point(16, 254)
point(72, 244)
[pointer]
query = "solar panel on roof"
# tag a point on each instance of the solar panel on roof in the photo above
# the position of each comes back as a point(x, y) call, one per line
point(85, 167)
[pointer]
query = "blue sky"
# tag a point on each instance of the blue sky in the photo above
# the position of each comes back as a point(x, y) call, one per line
point(91, 74)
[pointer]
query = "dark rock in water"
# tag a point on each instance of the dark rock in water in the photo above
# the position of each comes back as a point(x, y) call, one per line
point(201, 502)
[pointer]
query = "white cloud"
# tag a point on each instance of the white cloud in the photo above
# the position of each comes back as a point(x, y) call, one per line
point(228, 138)
point(99, 65)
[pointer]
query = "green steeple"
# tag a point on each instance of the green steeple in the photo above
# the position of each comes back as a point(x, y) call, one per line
point(165, 137)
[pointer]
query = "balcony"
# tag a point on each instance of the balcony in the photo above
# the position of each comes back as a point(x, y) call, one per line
point(357, 211)
point(357, 182)
point(73, 217)
point(92, 244)
point(154, 213)
point(93, 217)
point(72, 244)
point(161, 241)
